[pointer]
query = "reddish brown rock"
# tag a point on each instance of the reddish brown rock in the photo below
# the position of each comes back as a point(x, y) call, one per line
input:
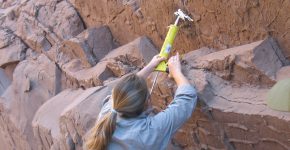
point(34, 82)
point(34, 34)
point(75, 123)
point(124, 59)
point(90, 47)
point(11, 48)
point(59, 16)
point(42, 24)
point(9, 13)
point(255, 63)
point(216, 24)
point(67, 125)
point(102, 42)
point(191, 57)
point(231, 84)
point(120, 68)
point(4, 81)
point(230, 115)
point(46, 126)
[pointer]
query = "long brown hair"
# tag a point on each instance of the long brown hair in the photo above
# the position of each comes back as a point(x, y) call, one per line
point(129, 99)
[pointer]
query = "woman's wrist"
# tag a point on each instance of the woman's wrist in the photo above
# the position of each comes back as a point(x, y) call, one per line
point(146, 71)
point(150, 67)
point(180, 79)
point(176, 74)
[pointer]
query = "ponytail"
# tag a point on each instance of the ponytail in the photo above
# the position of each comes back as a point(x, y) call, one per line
point(102, 132)
point(129, 98)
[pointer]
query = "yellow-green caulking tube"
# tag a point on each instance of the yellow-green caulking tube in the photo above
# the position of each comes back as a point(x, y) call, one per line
point(166, 47)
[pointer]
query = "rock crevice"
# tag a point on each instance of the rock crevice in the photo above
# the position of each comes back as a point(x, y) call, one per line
point(59, 59)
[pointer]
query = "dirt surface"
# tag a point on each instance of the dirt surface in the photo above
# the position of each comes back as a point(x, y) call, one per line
point(59, 59)
point(217, 23)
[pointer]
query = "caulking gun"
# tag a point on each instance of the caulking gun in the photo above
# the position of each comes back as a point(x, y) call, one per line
point(167, 45)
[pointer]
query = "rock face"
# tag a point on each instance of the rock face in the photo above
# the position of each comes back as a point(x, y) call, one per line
point(255, 63)
point(34, 82)
point(11, 48)
point(118, 62)
point(90, 46)
point(66, 127)
point(46, 122)
point(4, 81)
point(41, 24)
point(232, 113)
point(218, 24)
point(59, 59)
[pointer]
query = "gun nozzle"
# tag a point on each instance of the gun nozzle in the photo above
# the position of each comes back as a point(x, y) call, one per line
point(179, 13)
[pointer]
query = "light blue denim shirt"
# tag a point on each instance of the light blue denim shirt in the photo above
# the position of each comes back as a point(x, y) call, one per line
point(152, 132)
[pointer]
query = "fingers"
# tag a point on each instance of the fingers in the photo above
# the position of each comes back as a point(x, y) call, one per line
point(171, 59)
point(156, 60)
point(174, 58)
point(159, 58)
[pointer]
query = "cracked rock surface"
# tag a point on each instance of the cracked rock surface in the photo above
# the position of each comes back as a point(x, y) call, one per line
point(59, 59)
point(218, 24)
point(232, 112)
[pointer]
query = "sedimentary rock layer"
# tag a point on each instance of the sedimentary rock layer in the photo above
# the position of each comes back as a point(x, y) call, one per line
point(218, 24)
point(60, 58)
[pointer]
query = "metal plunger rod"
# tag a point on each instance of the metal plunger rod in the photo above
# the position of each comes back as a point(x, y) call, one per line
point(176, 21)
point(154, 82)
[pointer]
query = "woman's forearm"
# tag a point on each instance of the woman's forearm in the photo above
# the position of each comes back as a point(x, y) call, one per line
point(145, 72)
point(180, 79)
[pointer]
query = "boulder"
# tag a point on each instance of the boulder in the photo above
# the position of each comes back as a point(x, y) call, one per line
point(130, 57)
point(191, 57)
point(59, 53)
point(34, 34)
point(59, 16)
point(4, 81)
point(216, 24)
point(9, 12)
point(229, 115)
point(75, 112)
point(11, 138)
point(11, 48)
point(45, 123)
point(120, 68)
point(75, 122)
point(42, 24)
point(90, 47)
point(34, 82)
point(87, 77)
point(116, 63)
point(8, 71)
point(255, 63)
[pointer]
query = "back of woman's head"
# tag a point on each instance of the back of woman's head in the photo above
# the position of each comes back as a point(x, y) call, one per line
point(129, 99)
point(129, 96)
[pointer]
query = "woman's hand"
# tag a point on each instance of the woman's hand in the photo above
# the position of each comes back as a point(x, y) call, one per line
point(150, 66)
point(175, 70)
point(174, 66)
point(155, 61)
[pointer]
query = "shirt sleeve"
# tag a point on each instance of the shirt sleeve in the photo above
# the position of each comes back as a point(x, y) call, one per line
point(177, 112)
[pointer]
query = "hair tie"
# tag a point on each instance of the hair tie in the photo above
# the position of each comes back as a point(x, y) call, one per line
point(114, 111)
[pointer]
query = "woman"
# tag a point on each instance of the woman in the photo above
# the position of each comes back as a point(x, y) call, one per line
point(123, 122)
